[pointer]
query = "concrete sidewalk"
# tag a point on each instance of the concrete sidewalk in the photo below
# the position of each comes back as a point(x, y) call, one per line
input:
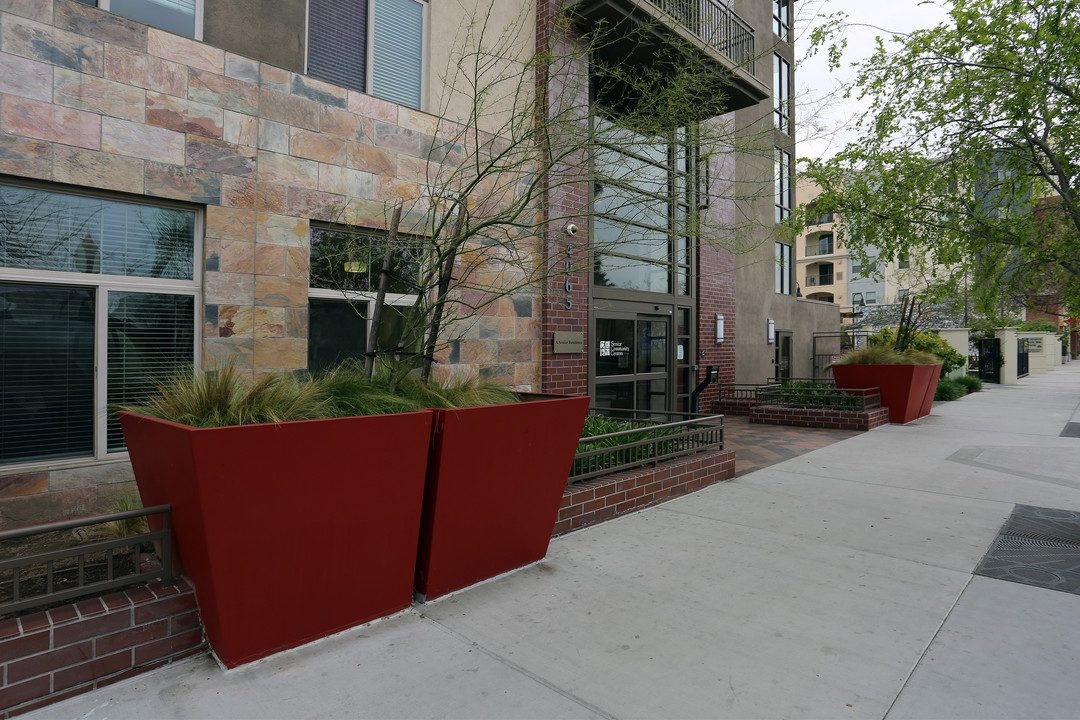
point(834, 585)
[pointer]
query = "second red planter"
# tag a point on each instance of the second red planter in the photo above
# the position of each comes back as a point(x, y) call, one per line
point(495, 479)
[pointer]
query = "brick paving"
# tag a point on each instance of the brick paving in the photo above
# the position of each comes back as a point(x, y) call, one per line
point(758, 446)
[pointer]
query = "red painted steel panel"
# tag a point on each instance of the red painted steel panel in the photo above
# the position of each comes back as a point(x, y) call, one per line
point(903, 387)
point(288, 531)
point(495, 481)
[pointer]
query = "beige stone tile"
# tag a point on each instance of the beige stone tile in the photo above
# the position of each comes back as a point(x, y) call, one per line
point(288, 109)
point(238, 192)
point(236, 321)
point(345, 181)
point(58, 47)
point(373, 160)
point(220, 157)
point(25, 157)
point(25, 77)
point(222, 91)
point(277, 291)
point(145, 71)
point(229, 288)
point(182, 183)
point(317, 146)
point(40, 10)
point(270, 260)
point(239, 351)
point(104, 170)
point(345, 125)
point(241, 129)
point(230, 223)
point(372, 107)
point(416, 120)
point(273, 137)
point(316, 205)
point(147, 142)
point(280, 354)
point(282, 230)
point(287, 170)
point(272, 198)
point(269, 322)
point(237, 256)
point(296, 322)
point(275, 78)
point(184, 115)
point(185, 51)
point(241, 68)
point(44, 121)
point(391, 190)
point(99, 95)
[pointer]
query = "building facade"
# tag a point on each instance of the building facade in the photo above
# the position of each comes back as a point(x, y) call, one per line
point(175, 176)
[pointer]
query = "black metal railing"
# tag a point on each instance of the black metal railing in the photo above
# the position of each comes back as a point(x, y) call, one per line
point(651, 441)
point(716, 25)
point(831, 398)
point(1022, 357)
point(42, 578)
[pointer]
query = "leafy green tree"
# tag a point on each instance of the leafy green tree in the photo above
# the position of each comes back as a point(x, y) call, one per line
point(970, 153)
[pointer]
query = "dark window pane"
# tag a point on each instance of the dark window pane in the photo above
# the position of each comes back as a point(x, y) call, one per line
point(652, 346)
point(177, 16)
point(615, 344)
point(629, 274)
point(46, 372)
point(151, 336)
point(69, 233)
point(683, 315)
point(614, 395)
point(630, 239)
point(342, 260)
point(337, 331)
point(652, 395)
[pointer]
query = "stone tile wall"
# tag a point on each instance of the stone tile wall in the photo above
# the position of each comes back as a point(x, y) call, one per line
point(93, 100)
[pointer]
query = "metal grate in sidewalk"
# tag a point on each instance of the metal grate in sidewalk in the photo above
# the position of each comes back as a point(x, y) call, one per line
point(1037, 546)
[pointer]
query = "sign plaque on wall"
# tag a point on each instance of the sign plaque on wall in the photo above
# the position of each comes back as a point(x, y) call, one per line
point(569, 342)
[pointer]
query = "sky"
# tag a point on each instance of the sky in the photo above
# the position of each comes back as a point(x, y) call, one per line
point(823, 118)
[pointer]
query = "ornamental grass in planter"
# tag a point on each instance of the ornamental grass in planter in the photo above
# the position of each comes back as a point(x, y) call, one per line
point(907, 380)
point(291, 524)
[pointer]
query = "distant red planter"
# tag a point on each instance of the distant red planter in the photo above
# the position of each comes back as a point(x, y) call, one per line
point(496, 476)
point(288, 531)
point(903, 387)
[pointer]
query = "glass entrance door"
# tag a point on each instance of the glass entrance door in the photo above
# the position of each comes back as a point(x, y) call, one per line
point(632, 356)
point(782, 367)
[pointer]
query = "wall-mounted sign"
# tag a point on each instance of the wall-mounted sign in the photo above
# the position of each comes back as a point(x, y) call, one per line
point(569, 342)
point(1035, 344)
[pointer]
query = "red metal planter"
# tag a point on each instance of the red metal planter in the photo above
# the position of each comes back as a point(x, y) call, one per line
point(903, 387)
point(288, 531)
point(496, 476)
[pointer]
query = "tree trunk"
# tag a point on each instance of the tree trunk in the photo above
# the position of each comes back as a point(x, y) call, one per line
point(445, 276)
point(380, 295)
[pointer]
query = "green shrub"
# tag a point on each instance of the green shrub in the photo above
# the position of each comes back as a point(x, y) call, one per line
point(949, 389)
point(970, 382)
point(220, 397)
point(925, 342)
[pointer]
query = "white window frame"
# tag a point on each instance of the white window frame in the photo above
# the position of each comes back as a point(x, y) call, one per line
point(106, 5)
point(103, 284)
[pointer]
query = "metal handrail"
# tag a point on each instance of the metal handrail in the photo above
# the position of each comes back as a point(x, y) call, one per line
point(703, 433)
point(162, 539)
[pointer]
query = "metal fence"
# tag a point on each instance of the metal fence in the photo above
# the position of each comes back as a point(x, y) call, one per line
point(43, 578)
point(651, 441)
point(717, 25)
point(824, 398)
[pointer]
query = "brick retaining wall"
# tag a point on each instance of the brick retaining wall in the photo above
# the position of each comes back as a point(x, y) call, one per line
point(49, 656)
point(593, 501)
point(821, 418)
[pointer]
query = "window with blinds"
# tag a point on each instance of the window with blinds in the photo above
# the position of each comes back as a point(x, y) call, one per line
point(176, 16)
point(83, 323)
point(344, 34)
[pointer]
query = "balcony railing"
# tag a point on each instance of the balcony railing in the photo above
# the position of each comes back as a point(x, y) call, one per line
point(716, 25)
point(816, 249)
point(819, 280)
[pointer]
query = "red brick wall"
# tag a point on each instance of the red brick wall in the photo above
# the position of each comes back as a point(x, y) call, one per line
point(822, 418)
point(594, 501)
point(52, 655)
